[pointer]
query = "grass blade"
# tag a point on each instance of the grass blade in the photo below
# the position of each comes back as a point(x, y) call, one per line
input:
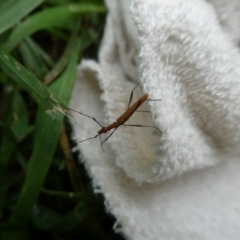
point(61, 64)
point(48, 18)
point(18, 120)
point(26, 79)
point(45, 141)
point(32, 61)
point(40, 52)
point(11, 11)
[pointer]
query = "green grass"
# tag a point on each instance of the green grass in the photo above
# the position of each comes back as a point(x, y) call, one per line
point(44, 192)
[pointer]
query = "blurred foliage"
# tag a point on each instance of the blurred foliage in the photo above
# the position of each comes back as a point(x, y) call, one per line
point(45, 192)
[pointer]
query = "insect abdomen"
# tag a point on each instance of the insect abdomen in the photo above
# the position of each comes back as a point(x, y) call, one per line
point(125, 116)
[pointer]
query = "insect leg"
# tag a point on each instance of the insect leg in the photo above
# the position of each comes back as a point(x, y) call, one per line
point(88, 139)
point(153, 100)
point(82, 141)
point(101, 142)
point(130, 100)
point(131, 96)
point(142, 111)
point(134, 125)
point(109, 136)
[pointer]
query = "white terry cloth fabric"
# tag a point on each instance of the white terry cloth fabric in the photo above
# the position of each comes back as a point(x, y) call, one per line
point(184, 182)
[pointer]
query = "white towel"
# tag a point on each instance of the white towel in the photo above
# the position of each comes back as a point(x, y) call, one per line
point(184, 182)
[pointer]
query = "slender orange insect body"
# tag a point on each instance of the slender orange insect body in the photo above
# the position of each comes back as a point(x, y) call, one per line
point(125, 116)
point(121, 120)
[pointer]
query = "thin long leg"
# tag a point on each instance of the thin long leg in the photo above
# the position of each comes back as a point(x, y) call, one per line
point(130, 100)
point(109, 136)
point(153, 100)
point(142, 111)
point(88, 138)
point(131, 96)
point(68, 108)
point(134, 125)
point(101, 142)
point(83, 141)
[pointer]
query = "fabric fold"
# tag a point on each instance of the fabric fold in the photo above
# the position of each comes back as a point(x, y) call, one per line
point(183, 183)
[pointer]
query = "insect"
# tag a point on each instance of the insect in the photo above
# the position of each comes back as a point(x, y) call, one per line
point(121, 120)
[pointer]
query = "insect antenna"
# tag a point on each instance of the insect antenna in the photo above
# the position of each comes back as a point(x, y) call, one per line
point(68, 108)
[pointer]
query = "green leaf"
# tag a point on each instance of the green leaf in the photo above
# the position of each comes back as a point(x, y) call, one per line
point(62, 63)
point(11, 11)
point(31, 59)
point(8, 147)
point(16, 127)
point(26, 79)
point(22, 161)
point(44, 218)
point(40, 52)
point(19, 117)
point(48, 18)
point(47, 131)
point(73, 218)
point(4, 178)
